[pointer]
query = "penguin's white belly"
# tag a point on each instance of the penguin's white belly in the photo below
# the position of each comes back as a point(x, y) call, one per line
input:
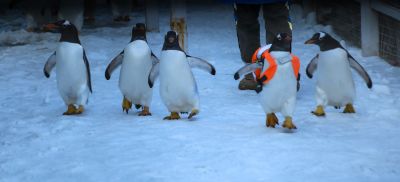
point(334, 79)
point(178, 88)
point(135, 69)
point(279, 94)
point(71, 73)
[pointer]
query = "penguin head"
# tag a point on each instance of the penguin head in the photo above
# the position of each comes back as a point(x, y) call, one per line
point(324, 41)
point(61, 26)
point(282, 42)
point(171, 41)
point(68, 31)
point(139, 32)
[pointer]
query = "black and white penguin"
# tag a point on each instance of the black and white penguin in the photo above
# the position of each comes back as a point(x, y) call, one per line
point(335, 85)
point(72, 67)
point(277, 77)
point(136, 60)
point(178, 87)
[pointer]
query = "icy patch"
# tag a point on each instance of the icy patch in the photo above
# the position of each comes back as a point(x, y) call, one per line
point(321, 28)
point(296, 12)
point(46, 99)
point(22, 37)
point(381, 89)
point(311, 18)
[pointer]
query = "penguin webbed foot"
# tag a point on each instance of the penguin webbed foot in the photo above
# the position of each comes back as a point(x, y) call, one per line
point(173, 116)
point(80, 110)
point(145, 111)
point(349, 109)
point(272, 120)
point(72, 110)
point(193, 113)
point(288, 123)
point(126, 105)
point(319, 111)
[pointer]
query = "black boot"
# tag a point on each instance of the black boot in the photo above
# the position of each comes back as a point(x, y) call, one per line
point(248, 83)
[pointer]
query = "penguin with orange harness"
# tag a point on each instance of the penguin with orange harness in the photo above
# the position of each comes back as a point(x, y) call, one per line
point(276, 71)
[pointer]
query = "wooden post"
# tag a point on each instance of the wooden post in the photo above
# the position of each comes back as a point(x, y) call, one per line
point(178, 22)
point(152, 23)
point(369, 30)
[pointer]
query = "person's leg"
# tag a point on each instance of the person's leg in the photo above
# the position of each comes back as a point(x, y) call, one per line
point(276, 17)
point(248, 29)
point(89, 11)
point(248, 34)
point(121, 9)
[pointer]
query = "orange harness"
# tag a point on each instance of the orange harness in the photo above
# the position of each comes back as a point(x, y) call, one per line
point(269, 73)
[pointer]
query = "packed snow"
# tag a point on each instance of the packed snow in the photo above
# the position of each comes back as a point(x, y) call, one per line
point(227, 141)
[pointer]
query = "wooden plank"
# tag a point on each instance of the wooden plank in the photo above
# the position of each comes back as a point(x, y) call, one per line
point(178, 22)
point(386, 9)
point(152, 16)
point(369, 30)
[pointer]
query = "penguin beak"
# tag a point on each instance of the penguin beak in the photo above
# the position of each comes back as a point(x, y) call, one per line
point(51, 27)
point(310, 41)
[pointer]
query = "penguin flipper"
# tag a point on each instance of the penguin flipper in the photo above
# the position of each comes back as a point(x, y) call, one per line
point(312, 66)
point(50, 63)
point(154, 59)
point(360, 70)
point(153, 74)
point(248, 68)
point(195, 62)
point(115, 63)
point(89, 81)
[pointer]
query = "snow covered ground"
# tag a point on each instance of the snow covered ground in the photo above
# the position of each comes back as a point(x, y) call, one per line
point(228, 140)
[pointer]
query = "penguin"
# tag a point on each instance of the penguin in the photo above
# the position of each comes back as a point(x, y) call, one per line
point(72, 67)
point(277, 88)
point(335, 84)
point(178, 87)
point(136, 61)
